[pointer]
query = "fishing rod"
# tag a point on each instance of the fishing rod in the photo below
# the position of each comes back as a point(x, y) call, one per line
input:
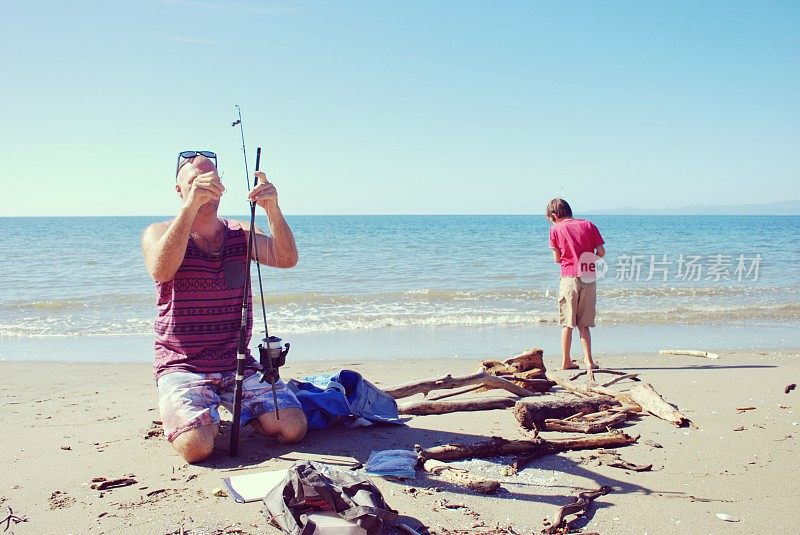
point(271, 355)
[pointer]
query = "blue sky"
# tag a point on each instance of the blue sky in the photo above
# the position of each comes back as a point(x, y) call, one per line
point(401, 107)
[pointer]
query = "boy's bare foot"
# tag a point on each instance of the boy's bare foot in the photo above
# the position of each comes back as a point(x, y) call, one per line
point(571, 366)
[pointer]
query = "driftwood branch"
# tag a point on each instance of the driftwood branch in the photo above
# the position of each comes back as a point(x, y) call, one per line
point(443, 407)
point(631, 376)
point(480, 377)
point(582, 501)
point(627, 401)
point(539, 446)
point(460, 476)
point(651, 401)
point(689, 352)
point(588, 426)
point(533, 412)
point(610, 372)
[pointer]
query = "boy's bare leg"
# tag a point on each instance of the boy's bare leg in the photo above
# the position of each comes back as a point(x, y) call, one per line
point(586, 342)
point(566, 346)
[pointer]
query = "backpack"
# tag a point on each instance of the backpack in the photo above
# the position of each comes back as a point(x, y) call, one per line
point(314, 487)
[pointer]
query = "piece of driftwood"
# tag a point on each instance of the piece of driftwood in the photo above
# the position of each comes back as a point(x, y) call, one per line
point(633, 376)
point(534, 385)
point(447, 382)
point(530, 359)
point(582, 501)
point(533, 412)
point(460, 477)
point(689, 352)
point(527, 370)
point(627, 402)
point(421, 408)
point(456, 393)
point(651, 401)
point(11, 519)
point(614, 459)
point(101, 483)
point(588, 426)
point(540, 446)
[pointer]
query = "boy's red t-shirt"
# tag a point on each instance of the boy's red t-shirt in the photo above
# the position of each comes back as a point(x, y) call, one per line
point(573, 237)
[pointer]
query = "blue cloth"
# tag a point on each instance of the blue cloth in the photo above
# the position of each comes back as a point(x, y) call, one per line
point(343, 395)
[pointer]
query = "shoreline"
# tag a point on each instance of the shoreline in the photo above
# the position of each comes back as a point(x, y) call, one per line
point(436, 343)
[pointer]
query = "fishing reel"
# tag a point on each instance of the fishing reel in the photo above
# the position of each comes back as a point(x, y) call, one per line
point(271, 356)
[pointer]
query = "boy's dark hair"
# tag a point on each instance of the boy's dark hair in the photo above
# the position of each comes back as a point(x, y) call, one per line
point(557, 208)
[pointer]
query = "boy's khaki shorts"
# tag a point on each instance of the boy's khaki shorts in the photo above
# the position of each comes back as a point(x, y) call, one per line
point(577, 302)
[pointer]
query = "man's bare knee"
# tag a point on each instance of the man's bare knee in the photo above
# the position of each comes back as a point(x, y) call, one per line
point(291, 427)
point(196, 444)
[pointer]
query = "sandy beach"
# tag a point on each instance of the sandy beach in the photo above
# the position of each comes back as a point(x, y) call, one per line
point(68, 423)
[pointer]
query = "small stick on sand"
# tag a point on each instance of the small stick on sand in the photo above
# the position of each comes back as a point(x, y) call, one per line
point(689, 352)
point(600, 370)
point(582, 501)
point(460, 476)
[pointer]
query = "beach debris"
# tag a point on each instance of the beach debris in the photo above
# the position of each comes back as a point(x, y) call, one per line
point(535, 412)
point(597, 422)
point(789, 388)
point(101, 483)
point(740, 428)
point(60, 500)
point(589, 390)
point(66, 448)
point(652, 443)
point(613, 459)
point(530, 449)
point(690, 353)
point(651, 401)
point(156, 430)
point(623, 375)
point(525, 369)
point(448, 382)
point(219, 492)
point(420, 408)
point(581, 503)
point(425, 491)
point(727, 518)
point(11, 518)
point(460, 477)
point(744, 409)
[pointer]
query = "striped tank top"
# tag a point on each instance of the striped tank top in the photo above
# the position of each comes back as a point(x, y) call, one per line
point(200, 309)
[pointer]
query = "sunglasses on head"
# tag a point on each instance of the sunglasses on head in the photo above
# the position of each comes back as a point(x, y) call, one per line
point(188, 155)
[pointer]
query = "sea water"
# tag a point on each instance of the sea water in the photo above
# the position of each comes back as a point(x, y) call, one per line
point(418, 286)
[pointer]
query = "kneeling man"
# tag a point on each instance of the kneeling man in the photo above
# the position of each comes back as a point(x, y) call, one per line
point(198, 261)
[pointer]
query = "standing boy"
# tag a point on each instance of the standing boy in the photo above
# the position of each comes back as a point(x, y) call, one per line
point(576, 245)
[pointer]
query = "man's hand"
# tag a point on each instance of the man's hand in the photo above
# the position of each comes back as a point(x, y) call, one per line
point(204, 188)
point(264, 194)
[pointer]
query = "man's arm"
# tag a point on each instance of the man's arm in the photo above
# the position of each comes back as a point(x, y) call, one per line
point(164, 245)
point(556, 256)
point(279, 250)
point(600, 251)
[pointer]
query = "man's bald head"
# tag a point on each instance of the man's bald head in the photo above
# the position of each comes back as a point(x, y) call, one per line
point(195, 166)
